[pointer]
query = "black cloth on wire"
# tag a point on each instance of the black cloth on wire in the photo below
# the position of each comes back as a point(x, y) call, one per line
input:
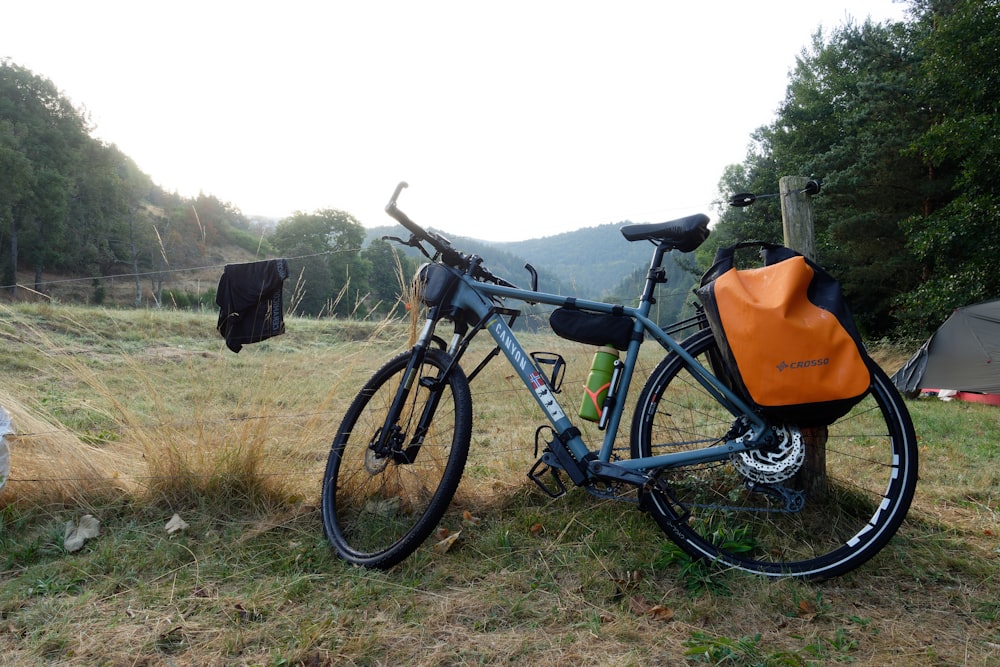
point(250, 302)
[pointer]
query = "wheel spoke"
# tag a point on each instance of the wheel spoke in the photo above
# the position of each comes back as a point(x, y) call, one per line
point(378, 507)
point(757, 512)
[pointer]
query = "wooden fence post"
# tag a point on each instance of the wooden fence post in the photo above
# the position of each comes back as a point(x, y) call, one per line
point(797, 224)
point(797, 215)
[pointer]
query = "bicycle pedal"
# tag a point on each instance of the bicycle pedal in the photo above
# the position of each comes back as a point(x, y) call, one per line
point(539, 470)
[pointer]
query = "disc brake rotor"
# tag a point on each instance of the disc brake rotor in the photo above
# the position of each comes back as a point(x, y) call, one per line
point(374, 463)
point(775, 463)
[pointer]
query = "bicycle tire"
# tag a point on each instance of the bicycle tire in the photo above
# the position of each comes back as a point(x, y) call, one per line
point(378, 510)
point(711, 513)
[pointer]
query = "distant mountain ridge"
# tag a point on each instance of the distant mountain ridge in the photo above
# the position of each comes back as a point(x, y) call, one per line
point(589, 262)
point(593, 260)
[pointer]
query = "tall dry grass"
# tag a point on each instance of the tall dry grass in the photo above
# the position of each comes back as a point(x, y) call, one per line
point(181, 424)
point(55, 465)
point(179, 421)
point(152, 407)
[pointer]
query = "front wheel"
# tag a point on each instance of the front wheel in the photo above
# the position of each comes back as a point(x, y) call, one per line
point(757, 512)
point(382, 497)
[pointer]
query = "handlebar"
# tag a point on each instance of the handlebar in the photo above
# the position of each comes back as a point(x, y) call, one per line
point(444, 251)
point(401, 217)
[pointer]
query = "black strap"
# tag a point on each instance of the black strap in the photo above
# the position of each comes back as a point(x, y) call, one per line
point(725, 257)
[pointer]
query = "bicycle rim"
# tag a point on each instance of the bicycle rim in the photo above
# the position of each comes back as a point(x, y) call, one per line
point(722, 512)
point(378, 510)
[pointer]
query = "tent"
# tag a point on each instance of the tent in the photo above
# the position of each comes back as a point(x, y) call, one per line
point(959, 356)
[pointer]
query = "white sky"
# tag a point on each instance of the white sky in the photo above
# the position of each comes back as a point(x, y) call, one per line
point(510, 120)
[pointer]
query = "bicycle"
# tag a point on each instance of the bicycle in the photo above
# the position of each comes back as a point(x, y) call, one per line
point(717, 478)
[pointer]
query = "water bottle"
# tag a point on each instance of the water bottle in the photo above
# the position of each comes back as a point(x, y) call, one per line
point(598, 383)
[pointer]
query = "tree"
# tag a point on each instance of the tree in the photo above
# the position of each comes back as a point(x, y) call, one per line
point(901, 122)
point(321, 247)
point(386, 268)
point(957, 236)
point(851, 111)
point(871, 182)
point(16, 178)
point(137, 226)
point(43, 127)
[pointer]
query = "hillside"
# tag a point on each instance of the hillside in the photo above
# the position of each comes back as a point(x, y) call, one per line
point(594, 259)
point(593, 262)
point(101, 232)
point(182, 287)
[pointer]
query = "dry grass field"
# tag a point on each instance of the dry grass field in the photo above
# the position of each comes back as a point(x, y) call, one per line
point(133, 416)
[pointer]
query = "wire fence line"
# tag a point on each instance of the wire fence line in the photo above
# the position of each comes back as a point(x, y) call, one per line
point(98, 433)
point(145, 274)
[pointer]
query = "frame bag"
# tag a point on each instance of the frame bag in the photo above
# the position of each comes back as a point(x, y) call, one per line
point(592, 328)
point(787, 341)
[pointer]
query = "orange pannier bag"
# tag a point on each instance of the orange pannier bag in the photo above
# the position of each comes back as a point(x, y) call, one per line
point(787, 341)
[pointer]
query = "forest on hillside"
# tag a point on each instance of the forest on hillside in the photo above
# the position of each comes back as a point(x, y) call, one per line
point(899, 120)
point(71, 205)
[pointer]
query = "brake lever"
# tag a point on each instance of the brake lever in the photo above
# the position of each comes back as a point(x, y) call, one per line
point(413, 242)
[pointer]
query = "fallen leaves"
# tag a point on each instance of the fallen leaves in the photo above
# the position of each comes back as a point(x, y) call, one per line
point(276, 521)
point(660, 613)
point(446, 539)
point(447, 542)
point(639, 606)
point(387, 507)
point(245, 615)
point(807, 610)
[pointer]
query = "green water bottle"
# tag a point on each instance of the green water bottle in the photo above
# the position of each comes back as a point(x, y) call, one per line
point(598, 383)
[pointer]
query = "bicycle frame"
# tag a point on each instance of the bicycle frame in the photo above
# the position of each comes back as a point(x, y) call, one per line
point(478, 303)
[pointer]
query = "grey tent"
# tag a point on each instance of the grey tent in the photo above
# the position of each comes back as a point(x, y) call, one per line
point(960, 355)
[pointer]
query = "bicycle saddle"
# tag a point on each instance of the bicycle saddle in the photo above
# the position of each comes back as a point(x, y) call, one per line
point(684, 234)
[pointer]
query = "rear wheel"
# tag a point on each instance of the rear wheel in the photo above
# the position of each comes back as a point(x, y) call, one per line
point(380, 505)
point(755, 511)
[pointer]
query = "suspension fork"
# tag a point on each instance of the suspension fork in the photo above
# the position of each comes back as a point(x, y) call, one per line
point(390, 441)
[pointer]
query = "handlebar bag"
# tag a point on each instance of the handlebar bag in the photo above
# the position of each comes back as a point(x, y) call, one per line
point(787, 341)
point(435, 283)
